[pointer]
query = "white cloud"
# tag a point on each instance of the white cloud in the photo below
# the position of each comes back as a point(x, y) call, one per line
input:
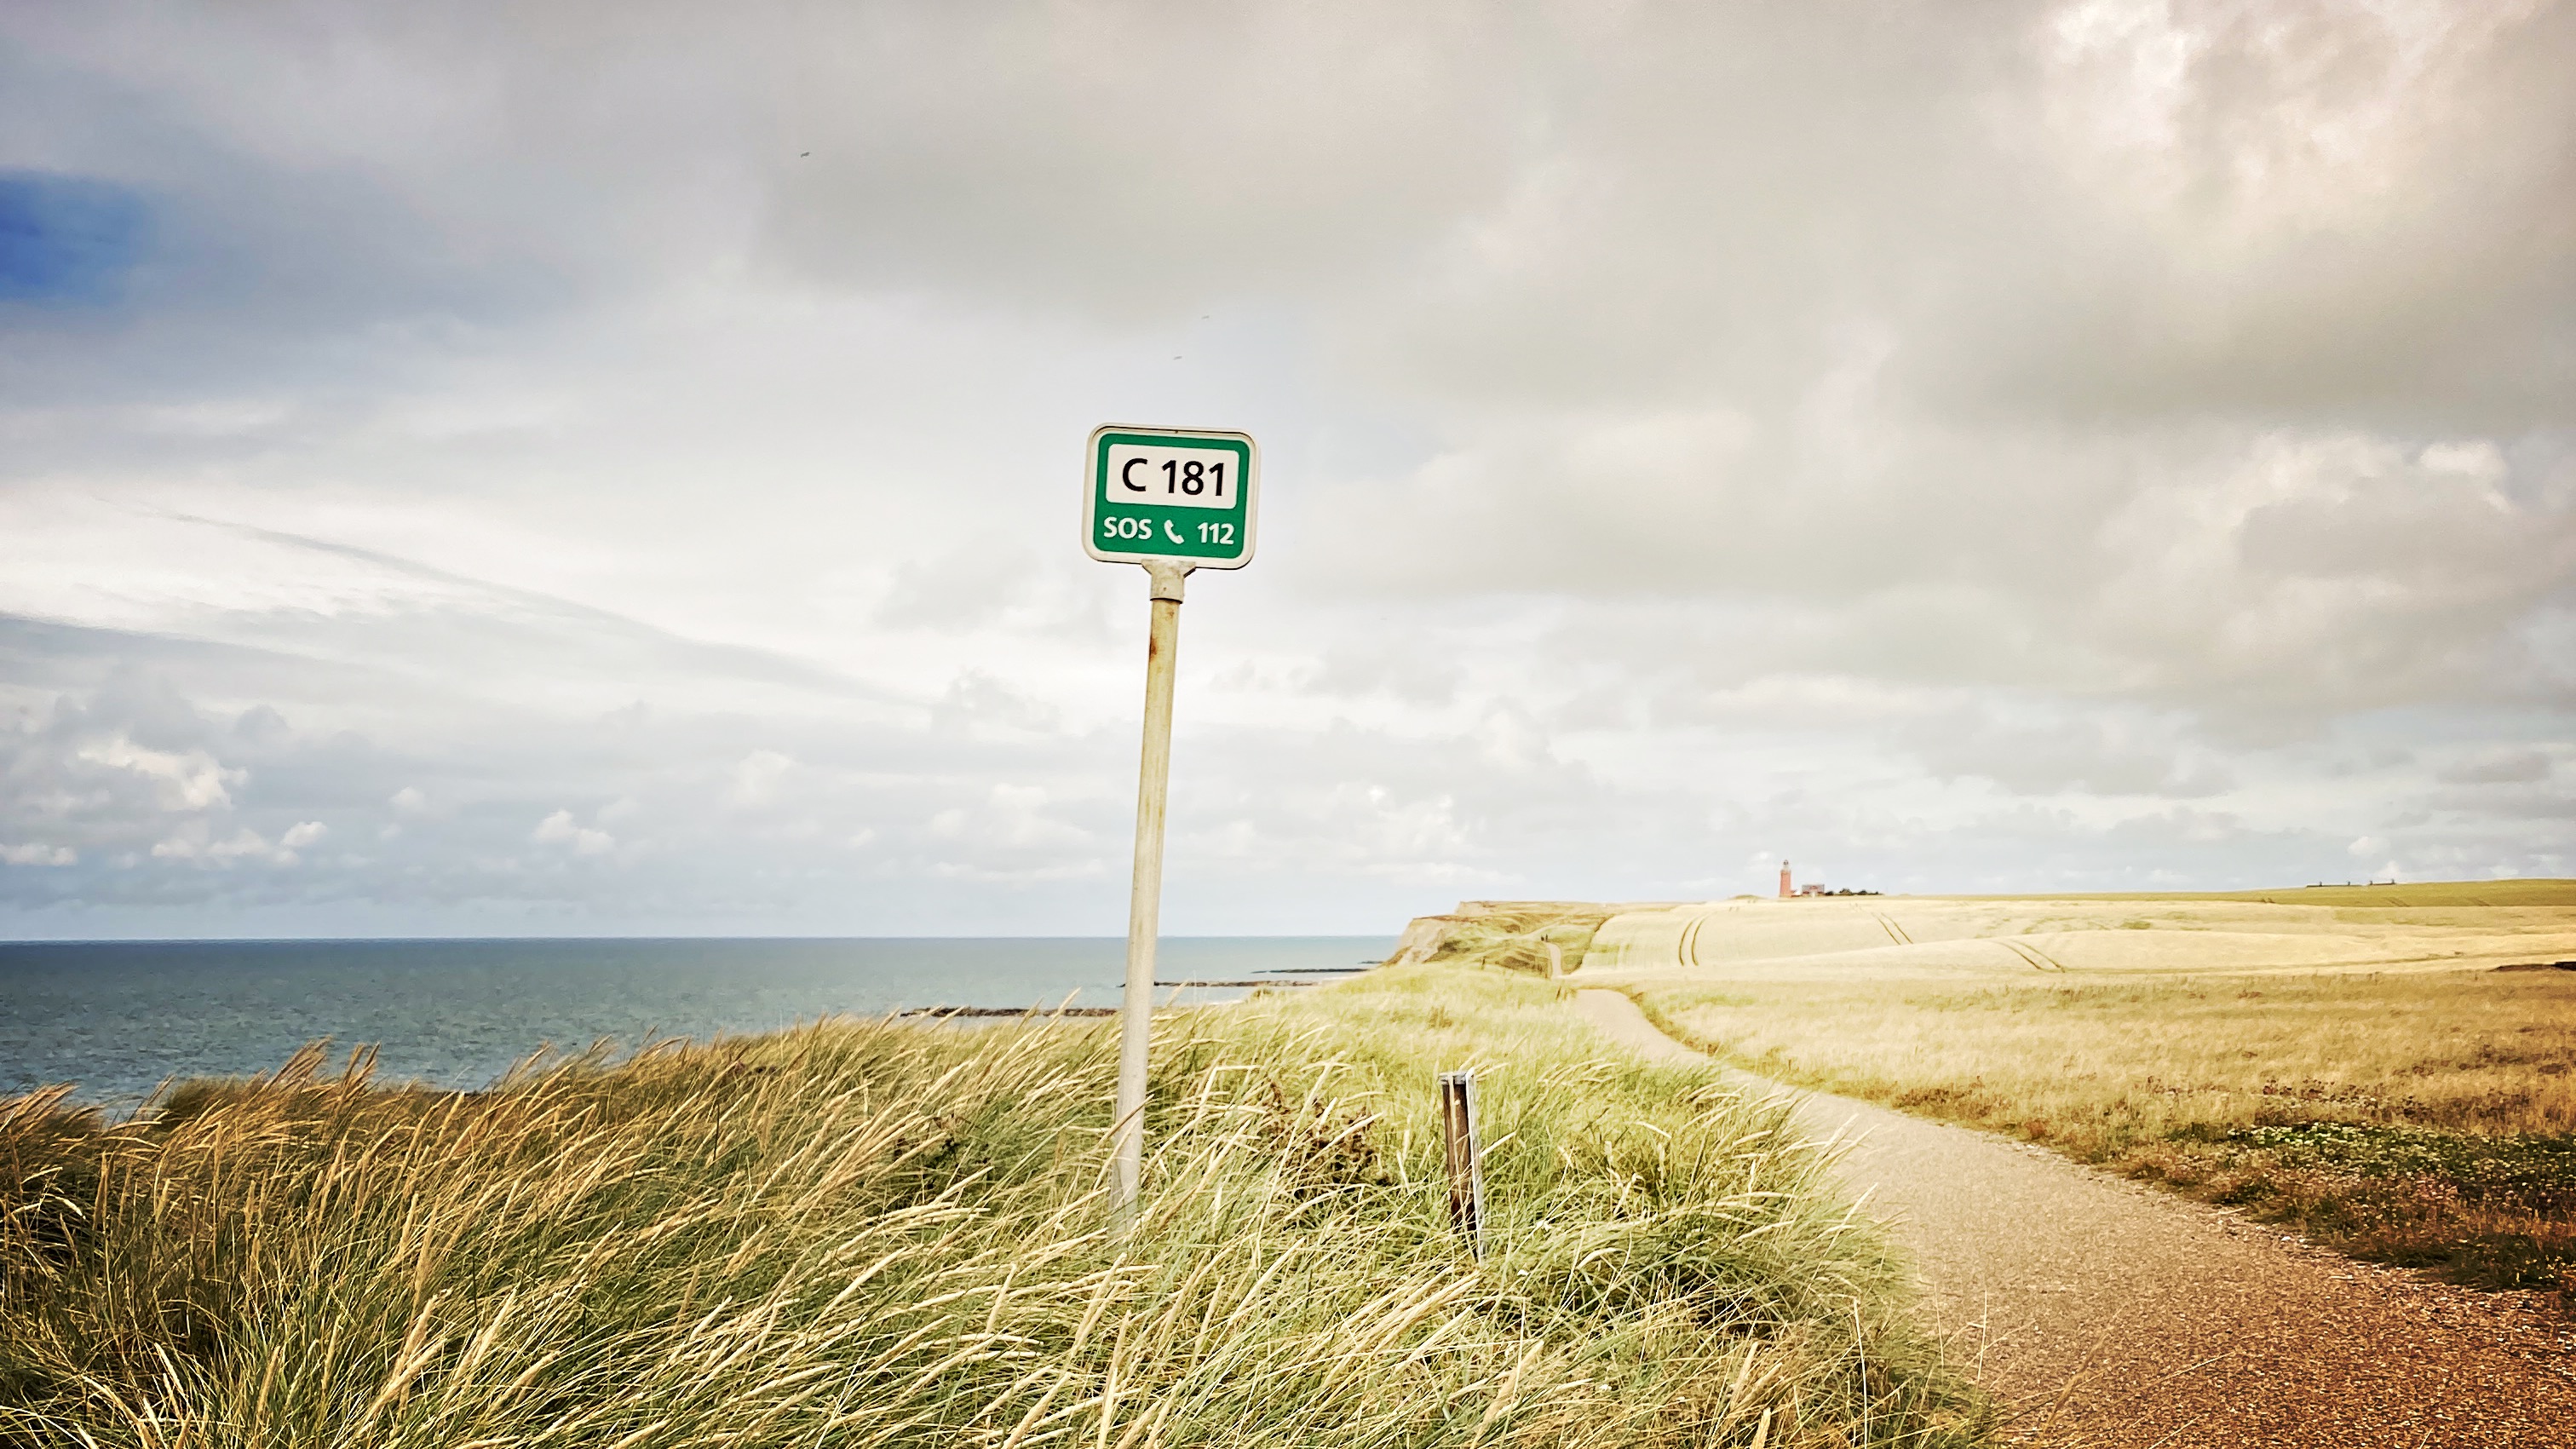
point(187, 781)
point(559, 829)
point(196, 844)
point(756, 777)
point(37, 853)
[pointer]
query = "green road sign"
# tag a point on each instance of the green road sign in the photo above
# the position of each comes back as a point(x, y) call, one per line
point(1170, 493)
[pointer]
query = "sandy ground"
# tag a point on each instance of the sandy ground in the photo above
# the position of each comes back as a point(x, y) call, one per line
point(2104, 1313)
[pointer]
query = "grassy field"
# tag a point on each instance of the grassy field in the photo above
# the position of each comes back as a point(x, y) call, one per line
point(878, 1234)
point(2358, 1068)
point(2421, 895)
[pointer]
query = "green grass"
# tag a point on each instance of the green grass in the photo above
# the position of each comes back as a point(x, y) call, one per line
point(2488, 1211)
point(880, 1234)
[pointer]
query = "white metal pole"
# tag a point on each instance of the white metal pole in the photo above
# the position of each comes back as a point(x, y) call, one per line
point(1145, 895)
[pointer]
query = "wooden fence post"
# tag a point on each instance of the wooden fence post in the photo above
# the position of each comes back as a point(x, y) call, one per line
point(1466, 1172)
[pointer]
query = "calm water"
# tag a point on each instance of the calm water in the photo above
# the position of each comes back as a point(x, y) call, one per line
point(118, 1018)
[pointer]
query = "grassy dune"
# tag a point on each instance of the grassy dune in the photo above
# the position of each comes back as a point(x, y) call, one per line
point(865, 1233)
point(2356, 1067)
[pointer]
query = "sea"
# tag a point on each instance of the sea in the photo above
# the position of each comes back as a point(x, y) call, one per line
point(119, 1019)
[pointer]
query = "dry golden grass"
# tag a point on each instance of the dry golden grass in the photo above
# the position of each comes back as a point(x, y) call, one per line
point(2422, 1117)
point(2348, 1058)
point(877, 1234)
point(2477, 1052)
point(2011, 938)
point(2437, 894)
point(1511, 935)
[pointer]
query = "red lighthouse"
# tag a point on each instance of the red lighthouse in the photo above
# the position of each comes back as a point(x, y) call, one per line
point(1785, 891)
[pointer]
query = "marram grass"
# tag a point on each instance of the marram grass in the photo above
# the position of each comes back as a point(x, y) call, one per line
point(869, 1233)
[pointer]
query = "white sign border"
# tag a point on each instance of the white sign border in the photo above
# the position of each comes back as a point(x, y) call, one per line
point(1091, 496)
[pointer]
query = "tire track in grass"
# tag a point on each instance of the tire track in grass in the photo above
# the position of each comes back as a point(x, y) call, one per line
point(2032, 956)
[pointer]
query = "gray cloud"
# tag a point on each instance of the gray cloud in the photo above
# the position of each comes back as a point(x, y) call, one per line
point(2497, 767)
point(2044, 756)
point(1134, 157)
point(616, 470)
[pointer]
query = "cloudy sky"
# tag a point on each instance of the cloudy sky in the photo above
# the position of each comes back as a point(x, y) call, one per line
point(615, 468)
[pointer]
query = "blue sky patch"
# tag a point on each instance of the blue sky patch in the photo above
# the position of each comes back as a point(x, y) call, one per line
point(66, 239)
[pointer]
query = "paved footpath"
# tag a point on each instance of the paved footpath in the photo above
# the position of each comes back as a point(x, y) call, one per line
point(2104, 1313)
